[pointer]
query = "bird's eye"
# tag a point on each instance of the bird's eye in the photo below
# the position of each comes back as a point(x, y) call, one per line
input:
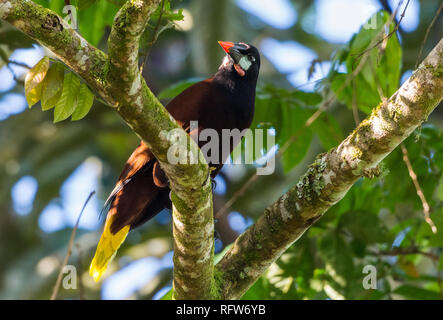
point(251, 58)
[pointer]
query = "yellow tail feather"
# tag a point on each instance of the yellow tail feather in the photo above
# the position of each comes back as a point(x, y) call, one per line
point(106, 249)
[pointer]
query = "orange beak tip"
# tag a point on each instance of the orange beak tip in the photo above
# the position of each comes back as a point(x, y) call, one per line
point(226, 45)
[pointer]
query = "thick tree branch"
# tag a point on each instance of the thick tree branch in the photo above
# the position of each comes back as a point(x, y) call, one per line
point(330, 177)
point(118, 81)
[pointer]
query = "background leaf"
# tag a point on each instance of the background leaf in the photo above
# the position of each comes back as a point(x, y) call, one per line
point(84, 102)
point(34, 80)
point(52, 86)
point(68, 100)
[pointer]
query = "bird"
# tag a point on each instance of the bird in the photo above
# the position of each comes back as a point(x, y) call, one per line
point(224, 101)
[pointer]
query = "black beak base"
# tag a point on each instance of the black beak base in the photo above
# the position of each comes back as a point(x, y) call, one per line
point(235, 53)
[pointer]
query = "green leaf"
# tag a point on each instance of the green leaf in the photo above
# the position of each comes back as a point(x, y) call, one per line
point(167, 12)
point(84, 103)
point(260, 290)
point(66, 104)
point(85, 4)
point(416, 293)
point(435, 239)
point(52, 86)
point(102, 13)
point(168, 295)
point(440, 189)
point(364, 226)
point(15, 39)
point(328, 131)
point(338, 256)
point(295, 135)
point(307, 98)
point(34, 80)
point(177, 88)
point(380, 73)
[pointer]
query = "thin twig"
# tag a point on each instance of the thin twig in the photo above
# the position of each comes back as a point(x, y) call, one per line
point(407, 251)
point(154, 37)
point(355, 104)
point(20, 64)
point(69, 252)
point(427, 34)
point(426, 207)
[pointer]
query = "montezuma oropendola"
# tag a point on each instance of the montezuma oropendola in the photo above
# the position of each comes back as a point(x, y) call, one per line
point(225, 101)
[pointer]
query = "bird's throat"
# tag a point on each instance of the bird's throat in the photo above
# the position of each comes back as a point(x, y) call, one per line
point(239, 70)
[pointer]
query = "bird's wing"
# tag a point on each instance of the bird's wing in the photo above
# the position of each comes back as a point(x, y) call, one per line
point(133, 192)
point(137, 163)
point(187, 105)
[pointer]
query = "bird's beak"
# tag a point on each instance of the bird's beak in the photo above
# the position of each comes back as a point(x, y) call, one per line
point(226, 45)
point(232, 49)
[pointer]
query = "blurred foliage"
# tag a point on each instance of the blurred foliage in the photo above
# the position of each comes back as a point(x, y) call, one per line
point(379, 222)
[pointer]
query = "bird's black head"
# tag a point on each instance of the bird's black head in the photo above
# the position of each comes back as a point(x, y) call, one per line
point(242, 59)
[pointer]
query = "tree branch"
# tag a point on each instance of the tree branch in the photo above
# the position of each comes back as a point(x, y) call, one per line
point(330, 177)
point(118, 81)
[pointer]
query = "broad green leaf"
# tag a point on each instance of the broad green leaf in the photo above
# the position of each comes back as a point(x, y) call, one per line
point(34, 80)
point(177, 88)
point(66, 104)
point(4, 55)
point(260, 290)
point(84, 102)
point(338, 256)
point(296, 135)
point(52, 86)
point(366, 96)
point(380, 73)
point(440, 189)
point(102, 13)
point(435, 239)
point(328, 131)
point(307, 98)
point(358, 222)
point(168, 295)
point(416, 293)
point(15, 39)
point(85, 4)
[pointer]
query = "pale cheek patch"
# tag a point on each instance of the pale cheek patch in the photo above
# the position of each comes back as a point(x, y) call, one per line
point(245, 63)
